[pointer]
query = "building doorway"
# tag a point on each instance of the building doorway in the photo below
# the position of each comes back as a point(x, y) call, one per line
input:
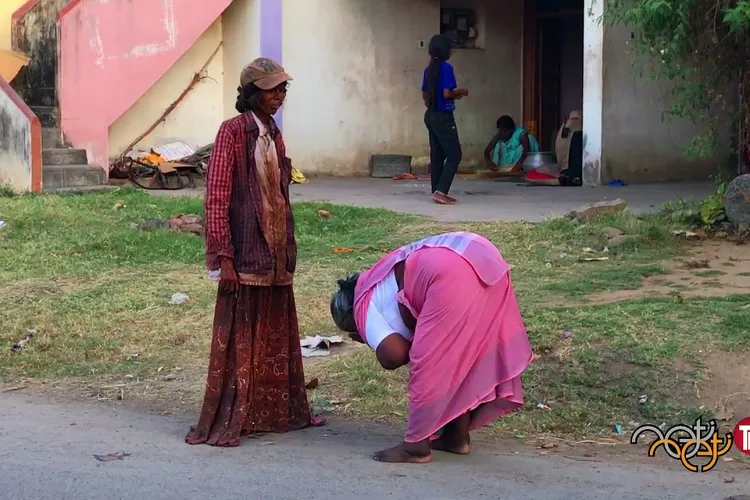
point(553, 65)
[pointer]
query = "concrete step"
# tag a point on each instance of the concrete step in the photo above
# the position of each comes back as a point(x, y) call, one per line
point(46, 114)
point(51, 138)
point(55, 177)
point(64, 156)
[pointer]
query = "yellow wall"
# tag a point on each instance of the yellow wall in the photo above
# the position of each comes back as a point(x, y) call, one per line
point(241, 26)
point(196, 119)
point(7, 8)
point(368, 78)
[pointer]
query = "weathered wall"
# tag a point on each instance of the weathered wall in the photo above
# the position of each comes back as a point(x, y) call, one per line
point(358, 69)
point(196, 119)
point(34, 33)
point(112, 53)
point(7, 8)
point(241, 28)
point(637, 146)
point(20, 143)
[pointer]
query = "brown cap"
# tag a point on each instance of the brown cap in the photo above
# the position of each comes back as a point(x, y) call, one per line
point(265, 73)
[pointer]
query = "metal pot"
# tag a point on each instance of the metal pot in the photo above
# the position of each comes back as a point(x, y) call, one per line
point(536, 160)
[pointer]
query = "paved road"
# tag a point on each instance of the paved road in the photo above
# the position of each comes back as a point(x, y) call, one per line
point(46, 454)
point(482, 200)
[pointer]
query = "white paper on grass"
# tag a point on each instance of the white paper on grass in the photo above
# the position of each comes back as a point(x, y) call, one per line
point(318, 345)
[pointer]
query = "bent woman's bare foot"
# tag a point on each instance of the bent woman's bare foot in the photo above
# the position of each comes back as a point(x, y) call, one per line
point(451, 445)
point(456, 437)
point(399, 455)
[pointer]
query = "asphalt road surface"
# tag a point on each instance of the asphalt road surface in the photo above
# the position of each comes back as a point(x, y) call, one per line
point(47, 453)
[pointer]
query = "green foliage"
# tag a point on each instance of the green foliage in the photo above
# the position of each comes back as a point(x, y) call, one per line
point(706, 212)
point(702, 48)
point(6, 191)
point(712, 208)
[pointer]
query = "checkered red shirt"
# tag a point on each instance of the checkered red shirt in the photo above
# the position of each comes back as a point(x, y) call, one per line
point(233, 204)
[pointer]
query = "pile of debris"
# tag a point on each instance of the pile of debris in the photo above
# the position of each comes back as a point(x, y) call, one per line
point(172, 166)
point(189, 223)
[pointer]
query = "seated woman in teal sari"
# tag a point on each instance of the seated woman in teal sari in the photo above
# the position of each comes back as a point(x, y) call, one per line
point(507, 151)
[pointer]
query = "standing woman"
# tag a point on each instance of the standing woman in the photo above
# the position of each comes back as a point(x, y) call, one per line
point(255, 378)
point(439, 91)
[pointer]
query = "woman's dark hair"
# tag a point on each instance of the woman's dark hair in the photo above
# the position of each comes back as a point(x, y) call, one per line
point(248, 98)
point(506, 122)
point(440, 51)
point(342, 304)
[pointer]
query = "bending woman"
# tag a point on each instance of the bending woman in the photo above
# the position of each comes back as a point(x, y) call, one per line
point(509, 148)
point(446, 306)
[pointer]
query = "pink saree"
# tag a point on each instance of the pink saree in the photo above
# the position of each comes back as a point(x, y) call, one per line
point(470, 345)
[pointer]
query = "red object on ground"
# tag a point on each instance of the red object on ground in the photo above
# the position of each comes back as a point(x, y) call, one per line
point(404, 177)
point(536, 177)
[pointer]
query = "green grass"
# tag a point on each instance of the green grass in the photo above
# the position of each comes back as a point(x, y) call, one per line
point(709, 274)
point(96, 291)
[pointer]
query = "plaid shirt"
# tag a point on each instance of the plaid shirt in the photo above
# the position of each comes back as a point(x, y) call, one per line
point(233, 204)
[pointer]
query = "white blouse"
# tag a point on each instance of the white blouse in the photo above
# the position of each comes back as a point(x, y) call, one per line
point(383, 315)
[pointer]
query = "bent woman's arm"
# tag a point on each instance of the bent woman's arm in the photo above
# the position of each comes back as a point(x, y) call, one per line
point(489, 150)
point(526, 145)
point(393, 352)
point(408, 318)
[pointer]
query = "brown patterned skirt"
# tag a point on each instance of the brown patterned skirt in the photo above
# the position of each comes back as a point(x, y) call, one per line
point(255, 377)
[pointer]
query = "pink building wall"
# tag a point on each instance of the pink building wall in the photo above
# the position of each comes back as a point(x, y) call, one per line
point(111, 53)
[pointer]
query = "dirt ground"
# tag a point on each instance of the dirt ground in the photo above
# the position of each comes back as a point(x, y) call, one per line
point(712, 268)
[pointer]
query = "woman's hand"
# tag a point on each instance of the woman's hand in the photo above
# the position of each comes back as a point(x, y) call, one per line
point(228, 279)
point(455, 94)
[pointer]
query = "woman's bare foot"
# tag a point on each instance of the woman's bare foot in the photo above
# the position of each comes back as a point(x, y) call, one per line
point(399, 455)
point(456, 437)
point(442, 199)
point(451, 444)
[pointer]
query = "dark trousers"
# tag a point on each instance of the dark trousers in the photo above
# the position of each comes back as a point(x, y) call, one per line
point(445, 148)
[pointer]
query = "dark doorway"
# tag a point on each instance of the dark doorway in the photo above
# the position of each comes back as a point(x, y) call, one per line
point(553, 65)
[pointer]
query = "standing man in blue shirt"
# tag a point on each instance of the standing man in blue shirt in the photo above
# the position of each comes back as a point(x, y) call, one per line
point(439, 91)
